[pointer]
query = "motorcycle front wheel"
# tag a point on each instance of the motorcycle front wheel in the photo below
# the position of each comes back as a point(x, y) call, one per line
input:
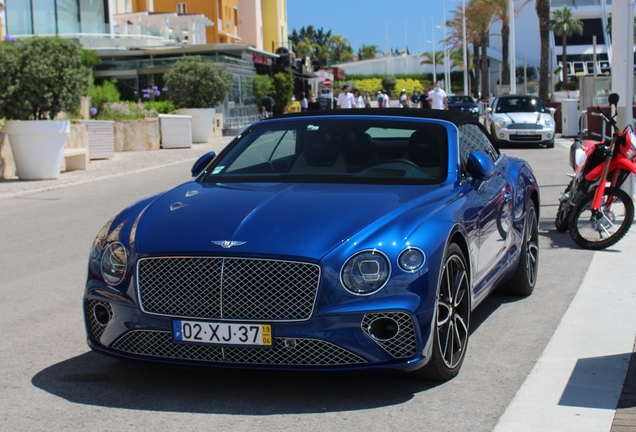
point(608, 226)
point(561, 220)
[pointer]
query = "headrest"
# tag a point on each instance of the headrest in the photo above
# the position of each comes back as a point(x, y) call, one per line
point(320, 150)
point(359, 150)
point(425, 147)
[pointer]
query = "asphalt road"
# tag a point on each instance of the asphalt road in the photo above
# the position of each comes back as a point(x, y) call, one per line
point(49, 380)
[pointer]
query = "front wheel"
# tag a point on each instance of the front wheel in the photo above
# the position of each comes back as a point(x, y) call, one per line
point(452, 319)
point(561, 221)
point(602, 229)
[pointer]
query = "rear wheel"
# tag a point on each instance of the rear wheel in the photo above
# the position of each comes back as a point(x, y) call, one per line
point(452, 319)
point(602, 229)
point(524, 280)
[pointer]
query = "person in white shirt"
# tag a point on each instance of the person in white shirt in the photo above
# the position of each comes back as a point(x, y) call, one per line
point(345, 99)
point(438, 98)
point(359, 101)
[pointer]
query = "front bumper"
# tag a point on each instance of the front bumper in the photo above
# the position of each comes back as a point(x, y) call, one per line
point(524, 135)
point(334, 342)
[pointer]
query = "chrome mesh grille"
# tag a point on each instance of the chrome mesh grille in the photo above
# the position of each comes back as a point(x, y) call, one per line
point(286, 352)
point(95, 329)
point(228, 288)
point(404, 343)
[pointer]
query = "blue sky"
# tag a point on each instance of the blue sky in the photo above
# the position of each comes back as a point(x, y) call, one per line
point(369, 22)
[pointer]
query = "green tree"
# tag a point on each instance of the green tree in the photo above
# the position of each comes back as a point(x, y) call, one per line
point(340, 48)
point(368, 52)
point(283, 89)
point(41, 77)
point(564, 24)
point(263, 86)
point(196, 83)
point(389, 82)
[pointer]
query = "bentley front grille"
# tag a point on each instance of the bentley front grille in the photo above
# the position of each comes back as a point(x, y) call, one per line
point(228, 288)
point(403, 344)
point(286, 352)
point(95, 328)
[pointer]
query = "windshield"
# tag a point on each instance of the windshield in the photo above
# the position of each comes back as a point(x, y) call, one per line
point(520, 104)
point(460, 100)
point(343, 150)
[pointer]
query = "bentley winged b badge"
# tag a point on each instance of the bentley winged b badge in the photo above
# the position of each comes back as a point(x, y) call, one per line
point(226, 244)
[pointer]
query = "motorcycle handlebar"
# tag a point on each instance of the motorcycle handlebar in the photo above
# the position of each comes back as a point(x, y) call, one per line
point(607, 117)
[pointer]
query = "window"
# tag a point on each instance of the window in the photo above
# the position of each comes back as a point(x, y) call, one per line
point(181, 8)
point(472, 138)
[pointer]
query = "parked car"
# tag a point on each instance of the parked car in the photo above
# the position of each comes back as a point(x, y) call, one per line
point(521, 119)
point(463, 103)
point(327, 240)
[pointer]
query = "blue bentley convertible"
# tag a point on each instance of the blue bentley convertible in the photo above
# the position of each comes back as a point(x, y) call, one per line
point(342, 240)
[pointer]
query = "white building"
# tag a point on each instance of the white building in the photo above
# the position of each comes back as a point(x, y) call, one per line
point(251, 23)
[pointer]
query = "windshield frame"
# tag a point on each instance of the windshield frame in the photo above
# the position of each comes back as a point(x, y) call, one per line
point(211, 174)
point(538, 103)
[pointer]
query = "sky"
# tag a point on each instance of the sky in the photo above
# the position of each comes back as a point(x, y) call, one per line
point(374, 22)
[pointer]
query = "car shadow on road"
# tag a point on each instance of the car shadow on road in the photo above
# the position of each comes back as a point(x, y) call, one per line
point(93, 379)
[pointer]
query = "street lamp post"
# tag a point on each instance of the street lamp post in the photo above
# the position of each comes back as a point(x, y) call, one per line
point(513, 63)
point(433, 49)
point(446, 65)
point(464, 47)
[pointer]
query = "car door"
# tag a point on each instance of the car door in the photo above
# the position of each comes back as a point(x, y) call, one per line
point(491, 199)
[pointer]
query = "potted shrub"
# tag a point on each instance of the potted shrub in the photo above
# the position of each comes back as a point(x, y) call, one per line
point(195, 87)
point(40, 78)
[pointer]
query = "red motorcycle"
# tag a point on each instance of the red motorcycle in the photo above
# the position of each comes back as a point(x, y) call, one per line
point(594, 209)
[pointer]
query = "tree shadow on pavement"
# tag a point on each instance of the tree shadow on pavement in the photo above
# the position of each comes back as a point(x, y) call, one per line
point(93, 379)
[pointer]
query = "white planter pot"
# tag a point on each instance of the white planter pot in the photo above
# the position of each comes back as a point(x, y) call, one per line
point(38, 147)
point(202, 121)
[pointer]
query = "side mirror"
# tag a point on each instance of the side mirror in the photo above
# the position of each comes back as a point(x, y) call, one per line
point(487, 111)
point(552, 111)
point(201, 163)
point(480, 166)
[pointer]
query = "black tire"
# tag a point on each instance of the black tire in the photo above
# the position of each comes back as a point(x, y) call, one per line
point(549, 144)
point(498, 143)
point(523, 281)
point(602, 233)
point(561, 222)
point(452, 319)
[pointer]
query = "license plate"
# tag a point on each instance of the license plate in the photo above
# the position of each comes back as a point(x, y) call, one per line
point(526, 132)
point(215, 333)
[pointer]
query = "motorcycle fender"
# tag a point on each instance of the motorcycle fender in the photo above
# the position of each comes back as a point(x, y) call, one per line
point(620, 162)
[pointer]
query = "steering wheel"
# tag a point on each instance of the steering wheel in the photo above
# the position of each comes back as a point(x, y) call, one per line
point(404, 161)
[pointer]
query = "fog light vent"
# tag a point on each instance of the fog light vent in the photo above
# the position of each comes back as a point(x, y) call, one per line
point(393, 331)
point(98, 314)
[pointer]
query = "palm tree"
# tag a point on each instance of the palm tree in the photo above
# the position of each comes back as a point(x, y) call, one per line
point(305, 46)
point(500, 12)
point(367, 52)
point(564, 24)
point(543, 13)
point(340, 48)
point(478, 22)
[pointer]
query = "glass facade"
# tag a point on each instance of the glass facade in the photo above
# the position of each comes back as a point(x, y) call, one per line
point(42, 17)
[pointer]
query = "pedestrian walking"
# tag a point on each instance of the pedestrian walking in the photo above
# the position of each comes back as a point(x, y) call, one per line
point(424, 103)
point(313, 104)
point(438, 98)
point(367, 100)
point(403, 99)
point(415, 99)
point(263, 114)
point(293, 106)
point(359, 101)
point(345, 99)
point(304, 104)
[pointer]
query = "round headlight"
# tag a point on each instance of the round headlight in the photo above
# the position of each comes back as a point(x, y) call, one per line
point(114, 262)
point(411, 259)
point(96, 249)
point(549, 122)
point(500, 122)
point(365, 272)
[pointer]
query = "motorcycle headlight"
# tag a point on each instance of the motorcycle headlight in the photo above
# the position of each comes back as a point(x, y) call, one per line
point(549, 121)
point(114, 263)
point(365, 272)
point(500, 122)
point(631, 142)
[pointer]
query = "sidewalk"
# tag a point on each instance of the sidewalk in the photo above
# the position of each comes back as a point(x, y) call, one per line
point(122, 163)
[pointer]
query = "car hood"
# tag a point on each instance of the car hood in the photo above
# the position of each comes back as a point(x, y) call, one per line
point(282, 219)
point(462, 106)
point(522, 117)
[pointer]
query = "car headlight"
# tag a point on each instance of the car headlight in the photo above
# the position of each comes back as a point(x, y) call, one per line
point(114, 263)
point(411, 259)
point(500, 122)
point(474, 110)
point(365, 272)
point(549, 121)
